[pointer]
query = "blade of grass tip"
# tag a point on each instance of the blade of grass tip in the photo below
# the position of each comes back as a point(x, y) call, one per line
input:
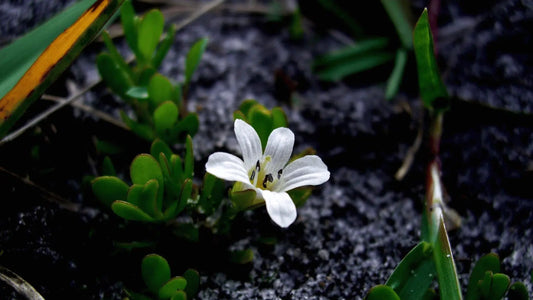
point(395, 78)
point(19, 284)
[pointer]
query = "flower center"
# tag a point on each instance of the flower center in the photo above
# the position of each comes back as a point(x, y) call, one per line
point(260, 178)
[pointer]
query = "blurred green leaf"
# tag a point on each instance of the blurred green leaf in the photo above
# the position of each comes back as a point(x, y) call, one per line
point(493, 286)
point(143, 168)
point(138, 92)
point(108, 169)
point(115, 55)
point(129, 20)
point(159, 146)
point(518, 291)
point(165, 116)
point(160, 89)
point(150, 203)
point(130, 211)
point(395, 78)
point(155, 272)
point(363, 62)
point(299, 195)
point(243, 199)
point(180, 295)
point(279, 119)
point(188, 168)
point(193, 59)
point(142, 130)
point(109, 188)
point(115, 77)
point(489, 262)
point(261, 120)
point(164, 46)
point(171, 287)
point(193, 282)
point(399, 12)
point(382, 292)
point(150, 30)
point(414, 274)
point(432, 89)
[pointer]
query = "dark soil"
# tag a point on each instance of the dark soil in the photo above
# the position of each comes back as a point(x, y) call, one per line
point(354, 229)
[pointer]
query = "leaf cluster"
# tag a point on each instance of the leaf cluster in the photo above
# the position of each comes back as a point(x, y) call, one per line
point(161, 185)
point(157, 102)
point(156, 274)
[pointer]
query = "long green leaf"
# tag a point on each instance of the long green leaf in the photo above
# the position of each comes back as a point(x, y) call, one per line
point(432, 88)
point(35, 60)
point(193, 59)
point(400, 15)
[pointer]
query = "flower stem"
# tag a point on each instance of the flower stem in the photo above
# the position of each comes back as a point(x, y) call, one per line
point(436, 233)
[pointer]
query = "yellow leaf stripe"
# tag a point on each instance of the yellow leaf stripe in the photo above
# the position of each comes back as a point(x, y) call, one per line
point(48, 59)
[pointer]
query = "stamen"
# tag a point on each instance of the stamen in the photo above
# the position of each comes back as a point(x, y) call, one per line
point(253, 175)
point(268, 178)
point(279, 173)
point(257, 166)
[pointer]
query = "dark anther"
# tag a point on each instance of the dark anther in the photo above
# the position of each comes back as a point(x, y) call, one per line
point(257, 166)
point(279, 173)
point(253, 175)
point(268, 178)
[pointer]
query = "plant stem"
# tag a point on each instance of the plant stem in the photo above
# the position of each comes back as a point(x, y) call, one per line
point(436, 231)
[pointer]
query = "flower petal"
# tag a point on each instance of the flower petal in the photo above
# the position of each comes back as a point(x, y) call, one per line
point(280, 207)
point(249, 142)
point(308, 170)
point(279, 147)
point(227, 166)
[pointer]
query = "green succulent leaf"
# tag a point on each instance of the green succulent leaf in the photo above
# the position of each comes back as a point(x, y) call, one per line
point(179, 295)
point(142, 130)
point(193, 282)
point(130, 211)
point(109, 188)
point(382, 292)
point(113, 51)
point(489, 262)
point(243, 199)
point(144, 168)
point(414, 274)
point(261, 120)
point(163, 48)
point(114, 75)
point(165, 116)
point(176, 168)
point(432, 89)
point(155, 272)
point(193, 59)
point(299, 195)
point(135, 194)
point(159, 146)
point(150, 202)
point(129, 20)
point(188, 168)
point(279, 119)
point(186, 126)
point(246, 105)
point(212, 193)
point(108, 169)
point(138, 92)
point(160, 89)
point(172, 287)
point(493, 286)
point(518, 291)
point(150, 30)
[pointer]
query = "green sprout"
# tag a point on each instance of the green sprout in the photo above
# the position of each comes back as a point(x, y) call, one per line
point(156, 275)
point(158, 103)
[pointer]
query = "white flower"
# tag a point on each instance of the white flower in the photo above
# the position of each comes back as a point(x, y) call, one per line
point(268, 173)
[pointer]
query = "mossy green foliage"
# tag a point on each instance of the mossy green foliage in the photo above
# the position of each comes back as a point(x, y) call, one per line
point(160, 189)
point(156, 274)
point(157, 101)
